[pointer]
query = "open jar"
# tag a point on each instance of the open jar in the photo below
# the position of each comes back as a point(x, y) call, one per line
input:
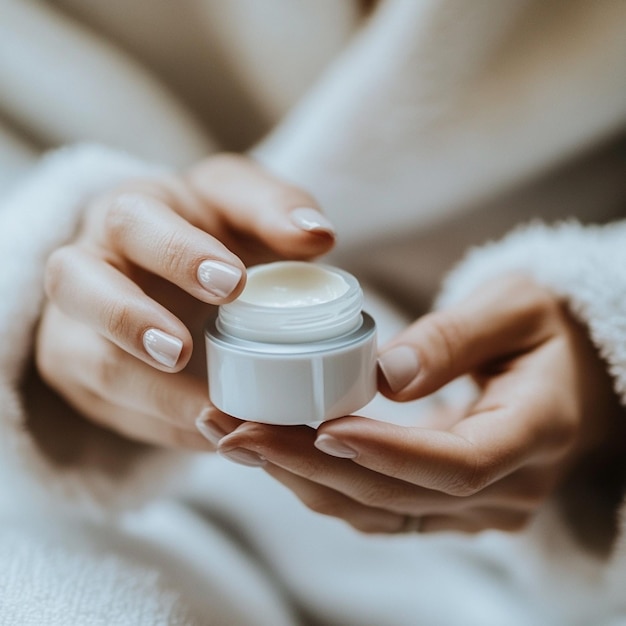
point(294, 348)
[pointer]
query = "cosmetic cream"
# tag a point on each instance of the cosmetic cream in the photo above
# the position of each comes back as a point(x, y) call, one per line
point(294, 348)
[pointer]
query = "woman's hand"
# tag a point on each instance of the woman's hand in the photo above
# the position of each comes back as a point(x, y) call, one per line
point(128, 298)
point(544, 402)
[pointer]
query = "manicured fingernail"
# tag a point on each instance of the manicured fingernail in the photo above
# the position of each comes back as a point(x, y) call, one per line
point(219, 279)
point(243, 457)
point(334, 447)
point(209, 429)
point(162, 347)
point(399, 366)
point(312, 221)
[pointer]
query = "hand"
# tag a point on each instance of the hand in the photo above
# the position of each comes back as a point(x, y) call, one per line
point(129, 297)
point(544, 403)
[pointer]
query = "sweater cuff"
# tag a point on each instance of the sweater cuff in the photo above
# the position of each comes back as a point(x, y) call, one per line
point(47, 451)
point(584, 265)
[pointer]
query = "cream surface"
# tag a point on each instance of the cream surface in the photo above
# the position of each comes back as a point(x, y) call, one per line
point(292, 284)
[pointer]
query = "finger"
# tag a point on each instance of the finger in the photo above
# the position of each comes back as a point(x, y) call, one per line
point(215, 425)
point(253, 202)
point(432, 459)
point(136, 425)
point(499, 320)
point(291, 448)
point(476, 521)
point(142, 228)
point(96, 294)
point(522, 491)
point(84, 368)
point(72, 354)
point(178, 400)
point(325, 501)
point(477, 452)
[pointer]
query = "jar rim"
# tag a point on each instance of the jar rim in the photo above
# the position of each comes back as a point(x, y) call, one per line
point(294, 324)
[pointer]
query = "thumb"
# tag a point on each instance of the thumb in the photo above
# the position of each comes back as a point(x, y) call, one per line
point(500, 320)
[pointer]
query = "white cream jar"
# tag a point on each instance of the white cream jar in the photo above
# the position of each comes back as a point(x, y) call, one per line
point(294, 348)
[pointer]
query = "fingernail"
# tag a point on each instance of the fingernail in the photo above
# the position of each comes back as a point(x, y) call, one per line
point(334, 447)
point(162, 347)
point(219, 279)
point(399, 366)
point(243, 457)
point(312, 221)
point(209, 429)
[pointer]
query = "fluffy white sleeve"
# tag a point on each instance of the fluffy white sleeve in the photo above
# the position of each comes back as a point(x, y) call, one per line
point(585, 265)
point(48, 454)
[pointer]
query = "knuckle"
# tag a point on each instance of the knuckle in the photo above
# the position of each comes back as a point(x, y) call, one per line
point(378, 495)
point(121, 213)
point(124, 426)
point(532, 303)
point(480, 478)
point(46, 362)
point(106, 369)
point(324, 505)
point(178, 438)
point(538, 301)
point(307, 468)
point(57, 268)
point(171, 406)
point(222, 166)
point(50, 361)
point(444, 333)
point(119, 425)
point(460, 488)
point(226, 160)
point(172, 252)
point(287, 196)
point(472, 475)
point(117, 319)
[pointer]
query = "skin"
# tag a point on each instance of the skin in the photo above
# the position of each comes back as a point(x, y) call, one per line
point(544, 405)
point(544, 402)
point(133, 266)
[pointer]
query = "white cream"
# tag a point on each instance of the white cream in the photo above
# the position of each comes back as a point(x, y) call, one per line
point(294, 348)
point(293, 284)
point(293, 302)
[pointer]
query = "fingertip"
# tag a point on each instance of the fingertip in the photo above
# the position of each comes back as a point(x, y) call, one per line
point(349, 432)
point(312, 221)
point(164, 350)
point(306, 247)
point(222, 282)
point(301, 233)
point(215, 425)
point(334, 447)
point(397, 368)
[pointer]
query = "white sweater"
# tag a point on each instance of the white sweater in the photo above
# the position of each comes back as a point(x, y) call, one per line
point(430, 109)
